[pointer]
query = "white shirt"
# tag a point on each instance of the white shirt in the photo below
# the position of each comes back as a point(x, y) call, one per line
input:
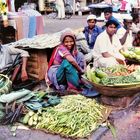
point(135, 27)
point(7, 53)
point(103, 44)
point(120, 33)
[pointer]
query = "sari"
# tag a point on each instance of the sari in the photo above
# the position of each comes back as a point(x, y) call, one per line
point(63, 74)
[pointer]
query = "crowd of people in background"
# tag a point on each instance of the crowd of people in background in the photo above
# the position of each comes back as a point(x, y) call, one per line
point(104, 45)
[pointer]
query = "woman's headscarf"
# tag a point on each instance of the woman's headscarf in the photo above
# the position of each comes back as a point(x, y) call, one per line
point(68, 33)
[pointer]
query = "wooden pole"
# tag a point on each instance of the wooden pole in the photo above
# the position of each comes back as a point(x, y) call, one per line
point(138, 3)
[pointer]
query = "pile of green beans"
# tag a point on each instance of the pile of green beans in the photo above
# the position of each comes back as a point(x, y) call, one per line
point(75, 116)
point(118, 80)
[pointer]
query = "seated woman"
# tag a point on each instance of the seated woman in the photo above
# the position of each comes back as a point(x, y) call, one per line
point(8, 33)
point(66, 64)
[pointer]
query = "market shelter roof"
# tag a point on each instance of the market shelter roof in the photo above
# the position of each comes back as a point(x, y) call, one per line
point(40, 41)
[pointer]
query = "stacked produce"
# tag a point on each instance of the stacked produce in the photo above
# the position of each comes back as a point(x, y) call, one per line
point(41, 41)
point(132, 54)
point(5, 84)
point(118, 75)
point(75, 116)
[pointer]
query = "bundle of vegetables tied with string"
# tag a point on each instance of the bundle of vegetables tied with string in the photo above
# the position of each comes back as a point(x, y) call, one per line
point(119, 75)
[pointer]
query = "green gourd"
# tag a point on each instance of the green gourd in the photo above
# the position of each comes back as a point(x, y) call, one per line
point(100, 73)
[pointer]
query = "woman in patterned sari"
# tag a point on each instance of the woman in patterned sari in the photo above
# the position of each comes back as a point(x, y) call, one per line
point(66, 64)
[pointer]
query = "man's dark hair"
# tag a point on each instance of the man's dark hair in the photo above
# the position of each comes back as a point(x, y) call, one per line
point(135, 17)
point(110, 22)
point(108, 10)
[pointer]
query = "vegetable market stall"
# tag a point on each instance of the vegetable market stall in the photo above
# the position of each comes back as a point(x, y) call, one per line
point(60, 119)
point(118, 85)
point(72, 116)
point(40, 48)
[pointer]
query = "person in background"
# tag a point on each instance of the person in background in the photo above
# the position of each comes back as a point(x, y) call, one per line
point(66, 64)
point(125, 33)
point(136, 41)
point(107, 46)
point(8, 33)
point(91, 31)
point(61, 9)
point(19, 3)
point(77, 6)
point(123, 5)
point(135, 24)
point(8, 55)
point(128, 7)
point(108, 16)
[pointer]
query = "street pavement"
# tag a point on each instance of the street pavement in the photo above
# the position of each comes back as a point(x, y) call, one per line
point(56, 25)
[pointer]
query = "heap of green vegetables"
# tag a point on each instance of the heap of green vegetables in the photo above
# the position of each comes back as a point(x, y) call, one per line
point(75, 116)
point(119, 80)
point(103, 76)
point(132, 53)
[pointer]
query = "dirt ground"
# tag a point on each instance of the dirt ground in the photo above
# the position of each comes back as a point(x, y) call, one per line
point(126, 123)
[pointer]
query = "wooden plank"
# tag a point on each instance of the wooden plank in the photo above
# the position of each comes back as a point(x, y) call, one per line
point(37, 64)
point(31, 65)
point(34, 76)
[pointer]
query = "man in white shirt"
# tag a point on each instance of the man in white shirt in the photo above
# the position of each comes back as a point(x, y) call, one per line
point(107, 46)
point(125, 33)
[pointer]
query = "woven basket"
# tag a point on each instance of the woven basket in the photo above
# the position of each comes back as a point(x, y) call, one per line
point(115, 91)
point(7, 85)
point(132, 61)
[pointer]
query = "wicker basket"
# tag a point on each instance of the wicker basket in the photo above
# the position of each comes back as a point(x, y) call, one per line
point(132, 61)
point(115, 91)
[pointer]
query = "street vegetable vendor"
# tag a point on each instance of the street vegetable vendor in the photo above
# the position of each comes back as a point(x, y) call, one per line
point(8, 53)
point(66, 64)
point(107, 46)
point(7, 56)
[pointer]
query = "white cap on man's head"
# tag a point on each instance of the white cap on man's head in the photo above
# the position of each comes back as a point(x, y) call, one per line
point(91, 17)
point(127, 17)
